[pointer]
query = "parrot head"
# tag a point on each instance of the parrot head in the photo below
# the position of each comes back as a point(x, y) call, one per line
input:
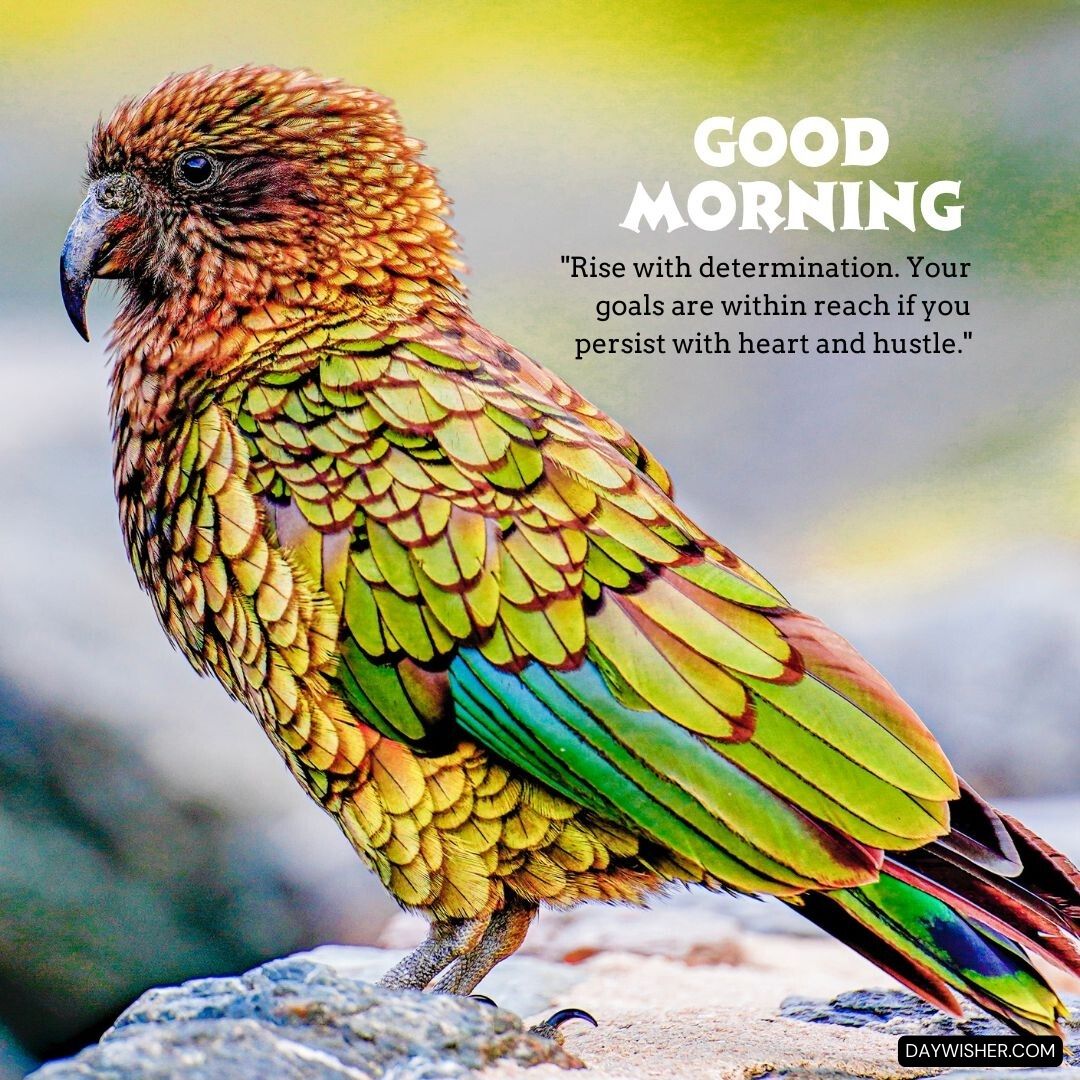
point(218, 188)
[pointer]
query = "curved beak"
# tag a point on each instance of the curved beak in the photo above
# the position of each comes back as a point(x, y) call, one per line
point(85, 249)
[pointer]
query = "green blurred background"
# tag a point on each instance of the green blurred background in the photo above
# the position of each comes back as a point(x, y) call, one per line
point(926, 506)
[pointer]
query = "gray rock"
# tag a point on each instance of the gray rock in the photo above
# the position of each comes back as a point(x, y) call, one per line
point(901, 1013)
point(896, 1012)
point(891, 1011)
point(292, 1018)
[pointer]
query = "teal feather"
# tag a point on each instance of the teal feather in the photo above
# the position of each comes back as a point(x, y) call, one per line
point(640, 768)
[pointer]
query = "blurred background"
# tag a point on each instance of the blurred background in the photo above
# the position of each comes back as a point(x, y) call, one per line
point(928, 507)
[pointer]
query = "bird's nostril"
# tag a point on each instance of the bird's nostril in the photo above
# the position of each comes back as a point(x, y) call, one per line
point(115, 192)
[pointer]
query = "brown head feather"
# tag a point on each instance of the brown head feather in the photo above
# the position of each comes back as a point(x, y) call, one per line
point(314, 181)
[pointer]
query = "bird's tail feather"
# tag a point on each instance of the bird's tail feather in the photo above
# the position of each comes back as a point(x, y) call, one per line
point(961, 914)
point(928, 946)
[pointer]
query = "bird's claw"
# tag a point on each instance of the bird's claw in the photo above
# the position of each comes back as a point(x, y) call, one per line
point(549, 1028)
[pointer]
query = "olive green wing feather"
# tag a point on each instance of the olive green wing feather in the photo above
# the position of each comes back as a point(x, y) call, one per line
point(508, 561)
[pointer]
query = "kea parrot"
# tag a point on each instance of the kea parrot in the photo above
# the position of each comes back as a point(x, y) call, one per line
point(462, 601)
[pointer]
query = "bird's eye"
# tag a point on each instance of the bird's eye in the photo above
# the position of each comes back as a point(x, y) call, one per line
point(196, 169)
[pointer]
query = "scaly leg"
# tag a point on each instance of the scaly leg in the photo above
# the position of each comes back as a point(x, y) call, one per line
point(502, 938)
point(445, 943)
point(464, 951)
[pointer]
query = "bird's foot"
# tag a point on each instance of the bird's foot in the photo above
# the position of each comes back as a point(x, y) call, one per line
point(549, 1028)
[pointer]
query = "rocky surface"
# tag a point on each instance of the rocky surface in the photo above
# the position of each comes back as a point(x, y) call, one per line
point(900, 1013)
point(682, 990)
point(293, 1018)
point(896, 1012)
